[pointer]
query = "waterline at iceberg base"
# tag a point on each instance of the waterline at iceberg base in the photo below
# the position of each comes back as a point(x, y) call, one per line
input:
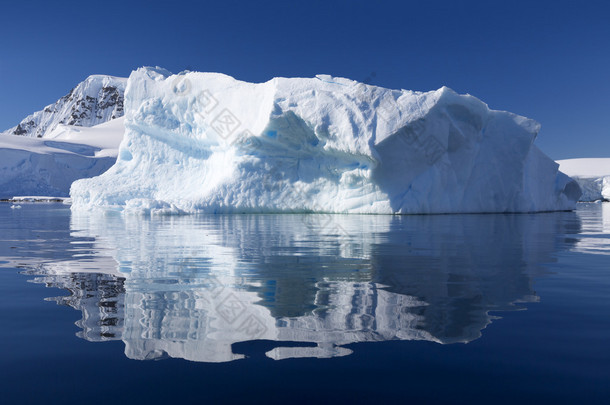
point(206, 142)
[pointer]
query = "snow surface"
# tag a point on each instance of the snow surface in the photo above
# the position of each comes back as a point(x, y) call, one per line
point(208, 142)
point(96, 100)
point(48, 166)
point(592, 174)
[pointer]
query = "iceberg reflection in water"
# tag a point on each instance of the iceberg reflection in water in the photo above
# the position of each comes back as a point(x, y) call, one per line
point(190, 287)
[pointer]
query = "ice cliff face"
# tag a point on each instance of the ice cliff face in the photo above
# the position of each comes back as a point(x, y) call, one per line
point(96, 100)
point(208, 142)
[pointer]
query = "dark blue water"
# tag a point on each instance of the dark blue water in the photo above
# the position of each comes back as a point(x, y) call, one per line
point(304, 308)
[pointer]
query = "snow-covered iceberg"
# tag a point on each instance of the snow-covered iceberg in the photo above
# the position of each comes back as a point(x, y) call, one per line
point(592, 175)
point(208, 142)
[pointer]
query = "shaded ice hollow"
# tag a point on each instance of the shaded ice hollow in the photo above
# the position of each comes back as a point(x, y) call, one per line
point(208, 142)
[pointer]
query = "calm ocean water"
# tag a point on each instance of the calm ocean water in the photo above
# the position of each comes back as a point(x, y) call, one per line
point(304, 308)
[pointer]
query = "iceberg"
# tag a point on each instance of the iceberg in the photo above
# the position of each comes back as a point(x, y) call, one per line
point(592, 175)
point(206, 142)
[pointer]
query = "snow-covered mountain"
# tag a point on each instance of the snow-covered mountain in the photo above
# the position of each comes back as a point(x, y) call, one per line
point(48, 166)
point(96, 100)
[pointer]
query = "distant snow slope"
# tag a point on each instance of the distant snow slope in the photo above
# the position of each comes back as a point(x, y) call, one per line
point(207, 142)
point(96, 100)
point(592, 174)
point(48, 166)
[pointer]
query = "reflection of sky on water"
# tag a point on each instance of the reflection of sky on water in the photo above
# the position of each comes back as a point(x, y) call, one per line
point(190, 287)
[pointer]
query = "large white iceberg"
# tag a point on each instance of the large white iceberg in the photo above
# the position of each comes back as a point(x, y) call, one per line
point(208, 142)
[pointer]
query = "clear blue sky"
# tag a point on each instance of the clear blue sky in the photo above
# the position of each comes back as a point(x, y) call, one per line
point(548, 60)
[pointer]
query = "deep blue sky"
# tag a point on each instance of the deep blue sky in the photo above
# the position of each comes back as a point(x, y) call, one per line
point(548, 60)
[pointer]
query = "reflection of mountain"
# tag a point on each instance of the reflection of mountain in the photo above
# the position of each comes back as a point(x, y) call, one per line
point(195, 285)
point(100, 298)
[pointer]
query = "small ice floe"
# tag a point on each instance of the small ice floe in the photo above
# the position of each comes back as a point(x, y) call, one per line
point(15, 207)
point(45, 199)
